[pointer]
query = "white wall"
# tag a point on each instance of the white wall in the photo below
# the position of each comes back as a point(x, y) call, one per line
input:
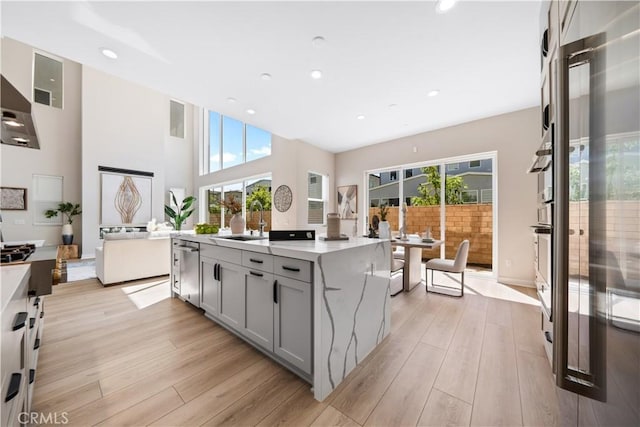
point(125, 125)
point(289, 163)
point(515, 137)
point(60, 146)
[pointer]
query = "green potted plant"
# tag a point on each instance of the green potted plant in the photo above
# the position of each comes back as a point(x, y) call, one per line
point(384, 229)
point(69, 210)
point(183, 211)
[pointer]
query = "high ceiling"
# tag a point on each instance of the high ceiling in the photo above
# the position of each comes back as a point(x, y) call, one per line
point(379, 59)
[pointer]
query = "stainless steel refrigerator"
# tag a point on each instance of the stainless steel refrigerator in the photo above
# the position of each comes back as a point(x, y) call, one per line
point(596, 239)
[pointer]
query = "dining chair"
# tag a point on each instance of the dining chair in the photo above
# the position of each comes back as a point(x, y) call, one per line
point(456, 265)
point(397, 267)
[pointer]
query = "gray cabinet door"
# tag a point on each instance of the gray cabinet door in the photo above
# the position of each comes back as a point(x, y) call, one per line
point(259, 291)
point(208, 286)
point(292, 322)
point(231, 296)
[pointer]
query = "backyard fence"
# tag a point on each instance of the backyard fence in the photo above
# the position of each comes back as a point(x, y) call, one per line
point(471, 222)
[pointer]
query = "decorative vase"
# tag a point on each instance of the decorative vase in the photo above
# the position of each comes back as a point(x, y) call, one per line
point(237, 224)
point(384, 230)
point(67, 234)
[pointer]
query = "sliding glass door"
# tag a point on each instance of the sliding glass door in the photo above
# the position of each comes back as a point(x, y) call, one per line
point(456, 208)
point(468, 210)
point(384, 191)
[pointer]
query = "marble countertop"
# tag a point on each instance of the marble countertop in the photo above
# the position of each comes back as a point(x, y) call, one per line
point(10, 277)
point(303, 249)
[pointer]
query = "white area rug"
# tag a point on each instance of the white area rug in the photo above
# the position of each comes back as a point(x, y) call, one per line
point(81, 270)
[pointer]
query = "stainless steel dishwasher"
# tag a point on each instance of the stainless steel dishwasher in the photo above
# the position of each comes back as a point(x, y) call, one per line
point(186, 283)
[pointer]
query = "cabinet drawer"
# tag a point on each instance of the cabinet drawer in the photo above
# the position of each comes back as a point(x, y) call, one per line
point(258, 261)
point(13, 407)
point(295, 268)
point(223, 254)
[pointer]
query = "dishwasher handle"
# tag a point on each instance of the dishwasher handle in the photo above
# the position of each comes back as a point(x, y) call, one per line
point(184, 248)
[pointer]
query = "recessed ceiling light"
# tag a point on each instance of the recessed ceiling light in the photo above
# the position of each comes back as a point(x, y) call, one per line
point(443, 6)
point(265, 76)
point(52, 80)
point(109, 53)
point(316, 74)
point(360, 117)
point(318, 41)
point(251, 111)
point(393, 106)
point(231, 100)
point(433, 92)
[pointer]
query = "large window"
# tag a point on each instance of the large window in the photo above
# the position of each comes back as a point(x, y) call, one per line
point(176, 119)
point(245, 192)
point(215, 128)
point(47, 81)
point(232, 135)
point(452, 199)
point(316, 198)
point(258, 143)
point(230, 142)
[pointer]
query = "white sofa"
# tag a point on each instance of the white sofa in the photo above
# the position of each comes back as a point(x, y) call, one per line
point(131, 256)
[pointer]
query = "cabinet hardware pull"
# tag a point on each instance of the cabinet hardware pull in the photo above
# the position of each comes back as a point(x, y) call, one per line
point(547, 336)
point(32, 322)
point(275, 291)
point(14, 386)
point(32, 375)
point(36, 302)
point(284, 267)
point(253, 273)
point(20, 320)
point(257, 261)
point(41, 314)
point(36, 345)
point(217, 269)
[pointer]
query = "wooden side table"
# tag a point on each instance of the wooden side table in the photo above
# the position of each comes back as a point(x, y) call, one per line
point(64, 253)
point(67, 252)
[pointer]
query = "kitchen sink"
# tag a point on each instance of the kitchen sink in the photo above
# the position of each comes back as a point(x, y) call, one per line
point(241, 237)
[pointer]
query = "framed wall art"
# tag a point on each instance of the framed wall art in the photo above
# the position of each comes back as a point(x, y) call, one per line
point(125, 197)
point(348, 201)
point(13, 199)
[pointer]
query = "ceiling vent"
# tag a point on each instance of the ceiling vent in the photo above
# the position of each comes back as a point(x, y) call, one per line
point(17, 123)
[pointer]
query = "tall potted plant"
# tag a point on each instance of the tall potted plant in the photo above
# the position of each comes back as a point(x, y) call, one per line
point(68, 210)
point(183, 211)
point(234, 207)
point(384, 229)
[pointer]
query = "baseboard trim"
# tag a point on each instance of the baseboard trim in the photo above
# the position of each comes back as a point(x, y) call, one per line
point(517, 282)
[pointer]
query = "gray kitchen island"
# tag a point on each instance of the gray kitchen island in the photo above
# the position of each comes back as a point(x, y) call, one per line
point(316, 307)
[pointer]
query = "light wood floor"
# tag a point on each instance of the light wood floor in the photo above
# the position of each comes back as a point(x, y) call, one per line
point(128, 355)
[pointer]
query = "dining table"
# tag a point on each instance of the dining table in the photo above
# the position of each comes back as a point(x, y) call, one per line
point(413, 247)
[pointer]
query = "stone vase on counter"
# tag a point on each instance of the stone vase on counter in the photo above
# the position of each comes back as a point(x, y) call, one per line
point(384, 230)
point(237, 224)
point(67, 234)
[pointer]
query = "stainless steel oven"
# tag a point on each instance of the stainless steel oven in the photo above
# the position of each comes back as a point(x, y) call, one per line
point(542, 244)
point(545, 167)
point(545, 213)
